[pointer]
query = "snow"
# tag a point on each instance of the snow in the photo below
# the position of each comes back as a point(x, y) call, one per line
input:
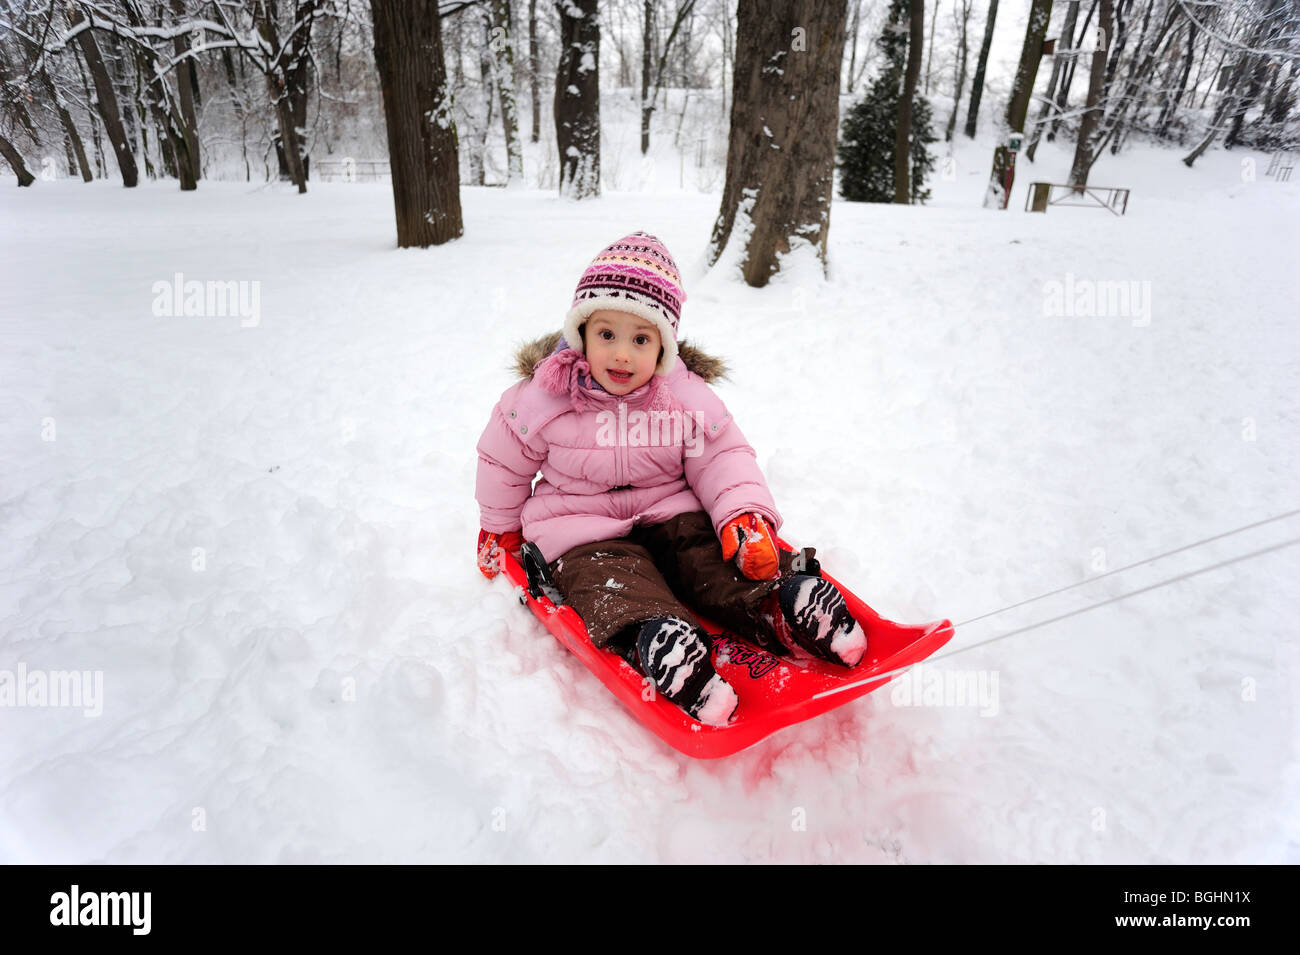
point(260, 535)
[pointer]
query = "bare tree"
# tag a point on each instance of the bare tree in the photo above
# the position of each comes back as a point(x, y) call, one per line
point(1067, 80)
point(1265, 22)
point(14, 115)
point(649, 93)
point(962, 21)
point(418, 117)
point(187, 82)
point(1086, 141)
point(24, 27)
point(784, 118)
point(903, 131)
point(1031, 53)
point(977, 87)
point(1064, 53)
point(534, 78)
point(854, 20)
point(163, 105)
point(105, 97)
point(1141, 66)
point(15, 159)
point(502, 44)
point(929, 53)
point(1172, 99)
point(286, 80)
point(577, 99)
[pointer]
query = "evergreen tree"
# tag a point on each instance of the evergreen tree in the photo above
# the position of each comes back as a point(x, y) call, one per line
point(866, 148)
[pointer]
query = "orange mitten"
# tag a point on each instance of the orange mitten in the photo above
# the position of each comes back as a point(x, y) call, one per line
point(749, 539)
point(491, 545)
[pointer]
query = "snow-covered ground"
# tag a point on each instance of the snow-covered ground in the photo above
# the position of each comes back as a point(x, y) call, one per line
point(259, 530)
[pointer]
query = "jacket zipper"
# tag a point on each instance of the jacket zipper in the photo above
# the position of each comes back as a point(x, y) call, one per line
point(621, 457)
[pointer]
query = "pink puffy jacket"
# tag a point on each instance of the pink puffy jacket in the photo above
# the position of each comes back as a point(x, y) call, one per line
point(611, 462)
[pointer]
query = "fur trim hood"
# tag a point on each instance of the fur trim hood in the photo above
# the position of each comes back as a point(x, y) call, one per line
point(531, 354)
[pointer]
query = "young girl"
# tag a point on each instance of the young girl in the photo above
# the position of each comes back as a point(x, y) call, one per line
point(650, 498)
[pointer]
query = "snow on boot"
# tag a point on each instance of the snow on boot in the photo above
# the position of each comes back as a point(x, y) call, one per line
point(676, 659)
point(819, 620)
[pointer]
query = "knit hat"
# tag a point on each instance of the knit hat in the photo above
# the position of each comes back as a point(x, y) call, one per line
point(637, 275)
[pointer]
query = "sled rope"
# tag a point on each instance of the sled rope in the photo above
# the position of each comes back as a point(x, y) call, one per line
point(1120, 570)
point(1073, 613)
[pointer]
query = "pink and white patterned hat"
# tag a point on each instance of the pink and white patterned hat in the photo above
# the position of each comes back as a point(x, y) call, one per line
point(636, 274)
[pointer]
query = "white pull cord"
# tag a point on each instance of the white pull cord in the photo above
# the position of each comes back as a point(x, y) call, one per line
point(1073, 613)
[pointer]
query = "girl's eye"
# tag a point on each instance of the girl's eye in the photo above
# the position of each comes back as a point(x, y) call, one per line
point(643, 339)
point(606, 334)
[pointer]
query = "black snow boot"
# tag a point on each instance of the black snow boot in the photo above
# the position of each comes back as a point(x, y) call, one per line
point(675, 656)
point(817, 618)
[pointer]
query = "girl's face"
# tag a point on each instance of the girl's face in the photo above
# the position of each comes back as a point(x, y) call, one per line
point(622, 350)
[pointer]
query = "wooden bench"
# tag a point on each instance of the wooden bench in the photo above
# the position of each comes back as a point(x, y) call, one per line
point(1280, 166)
point(1044, 194)
point(352, 170)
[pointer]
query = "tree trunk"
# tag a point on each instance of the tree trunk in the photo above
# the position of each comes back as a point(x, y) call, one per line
point(134, 112)
point(977, 88)
point(503, 43)
point(929, 53)
point(854, 22)
point(173, 140)
point(1216, 74)
point(679, 20)
point(784, 120)
point(728, 56)
point(106, 101)
point(281, 84)
point(577, 99)
point(1244, 103)
point(903, 131)
point(75, 148)
point(1116, 42)
point(298, 78)
point(1063, 98)
point(485, 79)
point(418, 119)
point(961, 71)
point(1083, 147)
point(1137, 64)
point(647, 107)
point(15, 159)
point(1171, 102)
point(187, 82)
point(1063, 43)
point(1031, 54)
point(1286, 98)
point(91, 116)
point(532, 70)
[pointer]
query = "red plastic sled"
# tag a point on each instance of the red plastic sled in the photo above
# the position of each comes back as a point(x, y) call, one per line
point(774, 692)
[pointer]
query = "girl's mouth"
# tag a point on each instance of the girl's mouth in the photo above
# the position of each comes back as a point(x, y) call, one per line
point(622, 377)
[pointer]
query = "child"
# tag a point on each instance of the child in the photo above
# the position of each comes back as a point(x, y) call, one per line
point(650, 498)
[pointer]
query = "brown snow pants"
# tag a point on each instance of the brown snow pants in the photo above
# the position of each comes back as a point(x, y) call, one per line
point(663, 570)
